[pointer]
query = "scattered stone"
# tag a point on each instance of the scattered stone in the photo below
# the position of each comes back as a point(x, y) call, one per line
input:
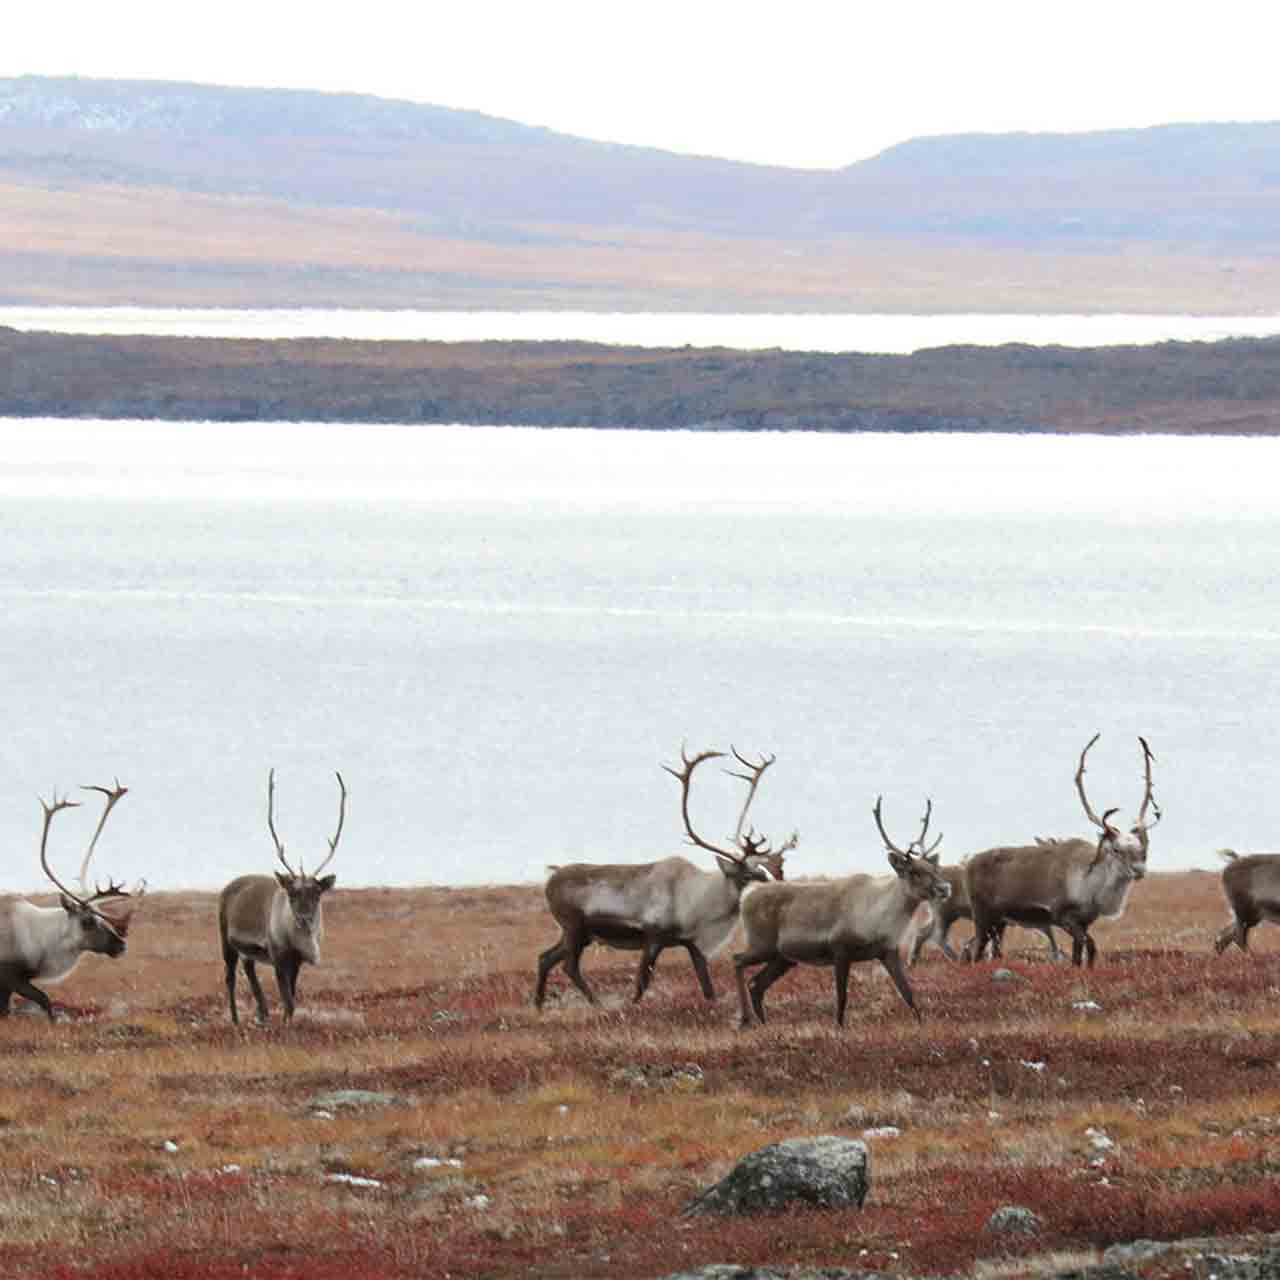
point(1086, 1006)
point(352, 1180)
point(170, 1146)
point(1137, 1251)
point(435, 1162)
point(1006, 975)
point(732, 1271)
point(1013, 1219)
point(1099, 1140)
point(825, 1171)
point(883, 1131)
point(352, 1098)
point(653, 1075)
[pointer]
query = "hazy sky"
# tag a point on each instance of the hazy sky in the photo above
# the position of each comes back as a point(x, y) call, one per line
point(800, 83)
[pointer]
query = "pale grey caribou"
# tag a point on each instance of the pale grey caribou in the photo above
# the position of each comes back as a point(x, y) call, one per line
point(839, 923)
point(650, 906)
point(46, 943)
point(277, 919)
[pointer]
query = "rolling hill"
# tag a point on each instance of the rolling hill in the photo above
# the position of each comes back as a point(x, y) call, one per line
point(182, 194)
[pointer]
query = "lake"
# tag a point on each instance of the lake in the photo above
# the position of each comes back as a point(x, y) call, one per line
point(884, 334)
point(499, 634)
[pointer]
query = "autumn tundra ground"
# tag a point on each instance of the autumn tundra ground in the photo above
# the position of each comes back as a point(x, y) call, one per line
point(142, 1135)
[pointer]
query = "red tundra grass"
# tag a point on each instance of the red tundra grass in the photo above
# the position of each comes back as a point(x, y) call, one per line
point(142, 1135)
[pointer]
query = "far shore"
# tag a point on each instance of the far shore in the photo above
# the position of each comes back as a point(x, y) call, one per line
point(1230, 387)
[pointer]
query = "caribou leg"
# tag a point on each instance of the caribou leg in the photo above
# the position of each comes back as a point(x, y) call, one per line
point(892, 962)
point(765, 979)
point(547, 961)
point(700, 968)
point(649, 954)
point(573, 961)
point(251, 973)
point(34, 994)
point(287, 981)
point(231, 959)
point(842, 966)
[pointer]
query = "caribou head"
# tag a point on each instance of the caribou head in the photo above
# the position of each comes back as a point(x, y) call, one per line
point(304, 890)
point(1126, 849)
point(98, 931)
point(917, 864)
point(755, 861)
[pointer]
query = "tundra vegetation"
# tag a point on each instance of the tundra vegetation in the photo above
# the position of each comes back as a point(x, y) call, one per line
point(144, 1135)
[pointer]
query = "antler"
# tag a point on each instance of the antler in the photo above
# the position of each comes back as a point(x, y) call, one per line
point(752, 778)
point(684, 775)
point(113, 890)
point(1147, 798)
point(49, 811)
point(918, 842)
point(337, 835)
point(301, 873)
point(1084, 800)
point(271, 826)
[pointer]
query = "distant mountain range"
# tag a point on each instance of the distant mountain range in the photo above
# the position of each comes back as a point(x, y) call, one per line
point(116, 191)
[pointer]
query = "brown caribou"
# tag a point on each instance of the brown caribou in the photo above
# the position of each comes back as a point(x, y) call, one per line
point(1251, 886)
point(1065, 883)
point(277, 919)
point(956, 907)
point(650, 906)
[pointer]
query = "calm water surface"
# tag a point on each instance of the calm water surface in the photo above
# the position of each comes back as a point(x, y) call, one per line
point(498, 634)
point(897, 334)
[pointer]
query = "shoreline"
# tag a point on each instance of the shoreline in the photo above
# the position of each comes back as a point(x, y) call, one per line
point(1228, 387)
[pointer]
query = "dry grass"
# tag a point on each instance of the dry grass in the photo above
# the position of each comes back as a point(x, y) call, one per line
point(153, 246)
point(565, 1164)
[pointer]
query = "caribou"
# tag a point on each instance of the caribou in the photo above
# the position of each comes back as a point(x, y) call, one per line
point(1067, 883)
point(648, 907)
point(956, 907)
point(46, 943)
point(838, 923)
point(1251, 886)
point(277, 919)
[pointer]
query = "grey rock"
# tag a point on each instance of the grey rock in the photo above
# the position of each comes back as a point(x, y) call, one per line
point(826, 1171)
point(1135, 1251)
point(352, 1098)
point(1013, 1219)
point(731, 1271)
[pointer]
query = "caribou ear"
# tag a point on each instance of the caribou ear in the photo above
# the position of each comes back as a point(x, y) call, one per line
point(900, 862)
point(284, 881)
point(935, 857)
point(729, 866)
point(68, 905)
point(326, 883)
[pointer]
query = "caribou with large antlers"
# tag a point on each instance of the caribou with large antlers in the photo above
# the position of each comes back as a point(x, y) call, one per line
point(840, 923)
point(47, 942)
point(277, 919)
point(1251, 886)
point(650, 906)
point(1068, 883)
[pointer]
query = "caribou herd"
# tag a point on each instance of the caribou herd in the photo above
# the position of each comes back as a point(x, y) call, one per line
point(1065, 884)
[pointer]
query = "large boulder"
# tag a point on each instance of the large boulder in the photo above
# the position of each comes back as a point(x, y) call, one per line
point(826, 1172)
